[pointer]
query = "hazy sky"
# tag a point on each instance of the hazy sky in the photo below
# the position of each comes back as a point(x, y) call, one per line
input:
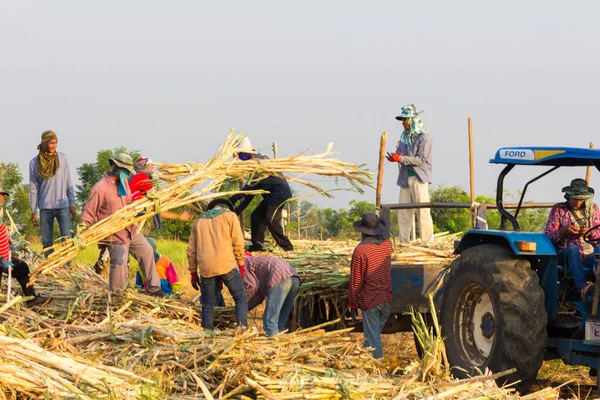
point(171, 78)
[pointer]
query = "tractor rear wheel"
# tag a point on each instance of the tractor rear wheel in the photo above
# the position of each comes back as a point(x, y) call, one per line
point(493, 315)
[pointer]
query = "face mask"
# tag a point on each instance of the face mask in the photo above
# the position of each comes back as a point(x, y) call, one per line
point(123, 176)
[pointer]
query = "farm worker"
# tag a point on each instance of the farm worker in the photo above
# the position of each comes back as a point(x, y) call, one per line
point(51, 190)
point(371, 279)
point(139, 185)
point(274, 279)
point(413, 155)
point(169, 281)
point(108, 196)
point(19, 270)
point(567, 224)
point(141, 182)
point(216, 254)
point(267, 213)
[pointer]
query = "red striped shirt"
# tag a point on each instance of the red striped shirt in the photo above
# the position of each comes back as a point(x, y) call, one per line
point(4, 241)
point(371, 275)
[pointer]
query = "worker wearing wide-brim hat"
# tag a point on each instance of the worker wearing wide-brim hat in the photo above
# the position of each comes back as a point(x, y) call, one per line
point(267, 213)
point(370, 287)
point(568, 223)
point(413, 155)
point(108, 196)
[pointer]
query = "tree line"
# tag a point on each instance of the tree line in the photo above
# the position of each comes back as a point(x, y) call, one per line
point(304, 219)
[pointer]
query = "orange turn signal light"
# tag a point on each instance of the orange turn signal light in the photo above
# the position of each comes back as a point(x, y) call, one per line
point(523, 245)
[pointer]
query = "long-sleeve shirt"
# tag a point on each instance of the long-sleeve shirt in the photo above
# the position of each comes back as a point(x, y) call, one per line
point(216, 245)
point(416, 156)
point(4, 241)
point(371, 275)
point(276, 187)
point(561, 216)
point(262, 274)
point(104, 201)
point(56, 192)
point(169, 281)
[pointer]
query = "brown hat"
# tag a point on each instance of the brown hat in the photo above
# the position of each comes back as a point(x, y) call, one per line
point(125, 161)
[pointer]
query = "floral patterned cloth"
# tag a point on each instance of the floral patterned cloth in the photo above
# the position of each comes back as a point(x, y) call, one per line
point(561, 216)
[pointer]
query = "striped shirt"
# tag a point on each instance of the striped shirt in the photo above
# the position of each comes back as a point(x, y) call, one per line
point(371, 275)
point(262, 274)
point(4, 241)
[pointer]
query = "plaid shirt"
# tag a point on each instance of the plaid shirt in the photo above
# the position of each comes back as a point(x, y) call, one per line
point(262, 274)
point(561, 216)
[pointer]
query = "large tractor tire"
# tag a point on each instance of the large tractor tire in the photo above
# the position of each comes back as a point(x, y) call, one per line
point(493, 316)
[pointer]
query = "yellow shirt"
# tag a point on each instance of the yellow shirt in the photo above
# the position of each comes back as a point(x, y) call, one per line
point(216, 245)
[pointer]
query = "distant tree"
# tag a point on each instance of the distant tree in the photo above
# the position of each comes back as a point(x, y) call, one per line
point(450, 219)
point(90, 173)
point(18, 201)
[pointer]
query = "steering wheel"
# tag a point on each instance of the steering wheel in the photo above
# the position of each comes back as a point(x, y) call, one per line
point(587, 237)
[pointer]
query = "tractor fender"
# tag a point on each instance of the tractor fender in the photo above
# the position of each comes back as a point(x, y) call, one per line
point(508, 239)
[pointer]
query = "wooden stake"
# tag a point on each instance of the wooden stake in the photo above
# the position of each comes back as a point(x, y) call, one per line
point(275, 150)
point(588, 173)
point(380, 172)
point(471, 168)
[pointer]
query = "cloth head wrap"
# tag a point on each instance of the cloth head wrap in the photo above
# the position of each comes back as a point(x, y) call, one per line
point(409, 112)
point(48, 164)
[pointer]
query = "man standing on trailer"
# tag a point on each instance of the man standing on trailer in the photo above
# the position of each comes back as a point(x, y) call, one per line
point(413, 155)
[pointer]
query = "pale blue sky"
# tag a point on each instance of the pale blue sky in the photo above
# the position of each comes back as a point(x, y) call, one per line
point(171, 78)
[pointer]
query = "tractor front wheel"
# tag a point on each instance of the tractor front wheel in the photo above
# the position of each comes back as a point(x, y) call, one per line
point(493, 315)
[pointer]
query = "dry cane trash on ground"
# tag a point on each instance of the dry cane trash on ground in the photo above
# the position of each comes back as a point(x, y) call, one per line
point(81, 346)
point(85, 344)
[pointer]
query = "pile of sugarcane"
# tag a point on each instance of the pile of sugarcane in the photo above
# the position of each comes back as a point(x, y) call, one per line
point(151, 348)
point(193, 182)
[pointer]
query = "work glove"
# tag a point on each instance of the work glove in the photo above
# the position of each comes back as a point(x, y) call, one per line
point(195, 280)
point(353, 305)
point(243, 270)
point(5, 264)
point(393, 157)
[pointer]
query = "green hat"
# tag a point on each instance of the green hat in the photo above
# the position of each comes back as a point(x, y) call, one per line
point(2, 191)
point(578, 189)
point(124, 160)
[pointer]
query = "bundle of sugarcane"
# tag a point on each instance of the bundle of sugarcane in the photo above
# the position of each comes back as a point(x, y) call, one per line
point(190, 183)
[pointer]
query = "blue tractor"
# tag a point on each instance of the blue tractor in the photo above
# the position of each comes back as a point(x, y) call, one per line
point(506, 301)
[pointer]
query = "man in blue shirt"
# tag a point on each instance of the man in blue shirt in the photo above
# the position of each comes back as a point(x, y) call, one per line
point(51, 190)
point(413, 156)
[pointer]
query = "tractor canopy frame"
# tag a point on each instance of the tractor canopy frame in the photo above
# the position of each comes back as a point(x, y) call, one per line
point(554, 157)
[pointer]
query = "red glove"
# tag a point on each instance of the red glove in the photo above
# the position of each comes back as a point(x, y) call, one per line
point(220, 284)
point(393, 157)
point(352, 305)
point(243, 270)
point(195, 279)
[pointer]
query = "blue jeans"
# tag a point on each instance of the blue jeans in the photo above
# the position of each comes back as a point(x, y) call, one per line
point(233, 281)
point(63, 217)
point(280, 302)
point(373, 321)
point(576, 265)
